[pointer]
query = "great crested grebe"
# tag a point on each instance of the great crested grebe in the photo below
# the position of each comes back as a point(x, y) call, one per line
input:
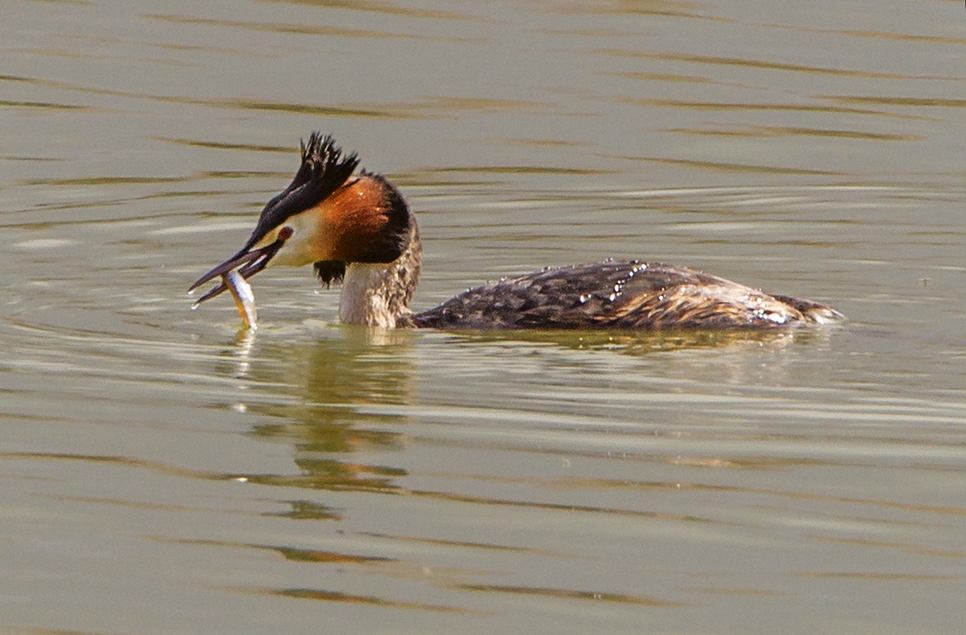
point(359, 230)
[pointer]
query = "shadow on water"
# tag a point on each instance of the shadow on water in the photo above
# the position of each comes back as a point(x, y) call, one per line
point(355, 396)
point(645, 342)
point(330, 381)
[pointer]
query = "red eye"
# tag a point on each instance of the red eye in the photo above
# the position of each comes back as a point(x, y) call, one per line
point(285, 233)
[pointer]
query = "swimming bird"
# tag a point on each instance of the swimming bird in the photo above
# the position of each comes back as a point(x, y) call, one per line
point(356, 228)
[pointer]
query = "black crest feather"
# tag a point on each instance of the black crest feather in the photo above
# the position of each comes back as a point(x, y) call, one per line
point(324, 169)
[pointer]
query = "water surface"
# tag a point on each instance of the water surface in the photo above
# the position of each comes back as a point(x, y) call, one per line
point(164, 471)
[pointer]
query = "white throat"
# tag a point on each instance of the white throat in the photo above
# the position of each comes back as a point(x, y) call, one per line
point(379, 294)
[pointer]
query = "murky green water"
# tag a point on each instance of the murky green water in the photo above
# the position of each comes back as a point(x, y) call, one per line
point(163, 472)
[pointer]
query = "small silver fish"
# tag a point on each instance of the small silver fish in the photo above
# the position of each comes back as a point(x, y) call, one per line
point(244, 298)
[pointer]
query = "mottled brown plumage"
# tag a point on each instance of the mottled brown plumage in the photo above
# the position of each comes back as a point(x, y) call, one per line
point(620, 295)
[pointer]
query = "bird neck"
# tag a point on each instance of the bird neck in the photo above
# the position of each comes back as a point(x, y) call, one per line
point(378, 294)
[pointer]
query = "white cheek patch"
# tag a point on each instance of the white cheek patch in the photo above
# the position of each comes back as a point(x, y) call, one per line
point(302, 247)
